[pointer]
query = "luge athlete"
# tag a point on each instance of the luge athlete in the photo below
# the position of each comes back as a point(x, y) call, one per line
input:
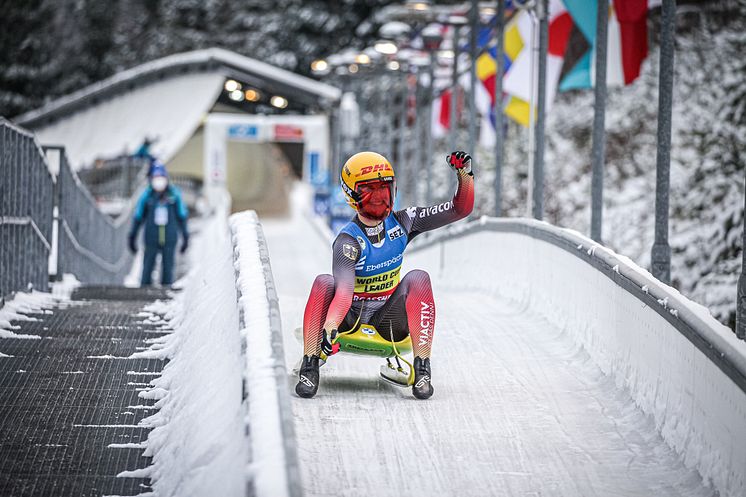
point(367, 255)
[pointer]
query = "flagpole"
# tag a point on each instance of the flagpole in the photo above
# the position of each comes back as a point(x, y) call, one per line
point(432, 39)
point(429, 128)
point(538, 189)
point(393, 80)
point(599, 118)
point(474, 22)
point(660, 259)
point(454, 90)
point(417, 137)
point(741, 291)
point(500, 59)
point(532, 100)
point(401, 144)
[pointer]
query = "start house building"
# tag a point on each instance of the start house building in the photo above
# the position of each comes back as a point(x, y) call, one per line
point(228, 120)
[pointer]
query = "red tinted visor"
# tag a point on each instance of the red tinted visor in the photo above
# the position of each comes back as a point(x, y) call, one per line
point(375, 197)
point(371, 186)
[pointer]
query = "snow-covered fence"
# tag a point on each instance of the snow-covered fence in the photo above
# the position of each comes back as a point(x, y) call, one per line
point(91, 245)
point(83, 241)
point(678, 363)
point(274, 461)
point(25, 211)
point(116, 179)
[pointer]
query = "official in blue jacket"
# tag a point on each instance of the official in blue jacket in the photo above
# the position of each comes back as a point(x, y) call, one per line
point(164, 214)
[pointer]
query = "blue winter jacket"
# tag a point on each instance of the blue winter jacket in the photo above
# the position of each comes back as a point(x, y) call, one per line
point(164, 215)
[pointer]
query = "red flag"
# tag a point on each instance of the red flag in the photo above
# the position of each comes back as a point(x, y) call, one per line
point(632, 16)
point(445, 109)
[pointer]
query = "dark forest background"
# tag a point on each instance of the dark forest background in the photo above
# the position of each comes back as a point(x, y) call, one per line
point(50, 48)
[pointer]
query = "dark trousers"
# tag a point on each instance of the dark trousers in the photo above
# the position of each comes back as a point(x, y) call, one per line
point(410, 310)
point(167, 263)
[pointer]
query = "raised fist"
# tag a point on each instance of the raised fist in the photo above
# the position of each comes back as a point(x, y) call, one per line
point(459, 160)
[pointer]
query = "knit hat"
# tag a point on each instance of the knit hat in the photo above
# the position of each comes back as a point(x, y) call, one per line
point(157, 168)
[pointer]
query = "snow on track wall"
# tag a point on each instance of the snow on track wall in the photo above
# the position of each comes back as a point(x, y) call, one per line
point(678, 363)
point(274, 463)
point(224, 426)
point(198, 443)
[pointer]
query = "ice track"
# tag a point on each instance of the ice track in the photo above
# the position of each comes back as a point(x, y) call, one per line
point(518, 410)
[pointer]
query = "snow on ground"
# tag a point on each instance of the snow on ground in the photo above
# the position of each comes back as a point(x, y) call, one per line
point(22, 304)
point(198, 444)
point(519, 408)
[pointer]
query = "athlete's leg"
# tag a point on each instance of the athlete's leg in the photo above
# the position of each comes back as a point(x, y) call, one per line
point(412, 307)
point(317, 306)
point(409, 310)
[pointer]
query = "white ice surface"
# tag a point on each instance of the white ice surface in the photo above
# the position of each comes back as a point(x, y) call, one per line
point(519, 407)
point(698, 410)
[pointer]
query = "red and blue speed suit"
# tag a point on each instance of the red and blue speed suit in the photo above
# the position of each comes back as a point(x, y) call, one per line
point(365, 280)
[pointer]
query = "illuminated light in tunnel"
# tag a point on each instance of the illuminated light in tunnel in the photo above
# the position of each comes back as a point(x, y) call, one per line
point(232, 85)
point(362, 59)
point(393, 65)
point(319, 65)
point(236, 95)
point(422, 5)
point(252, 95)
point(279, 102)
point(353, 68)
point(386, 47)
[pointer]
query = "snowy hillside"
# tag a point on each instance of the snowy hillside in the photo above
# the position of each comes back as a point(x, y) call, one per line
point(52, 48)
point(46, 52)
point(707, 169)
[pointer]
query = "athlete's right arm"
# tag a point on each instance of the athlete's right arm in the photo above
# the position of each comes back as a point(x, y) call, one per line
point(345, 253)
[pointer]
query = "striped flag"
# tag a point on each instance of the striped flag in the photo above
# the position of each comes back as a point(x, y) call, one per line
point(519, 46)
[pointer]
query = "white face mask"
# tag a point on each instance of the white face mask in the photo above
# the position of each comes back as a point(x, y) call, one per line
point(159, 183)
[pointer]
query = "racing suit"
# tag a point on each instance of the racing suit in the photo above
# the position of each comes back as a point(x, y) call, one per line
point(365, 282)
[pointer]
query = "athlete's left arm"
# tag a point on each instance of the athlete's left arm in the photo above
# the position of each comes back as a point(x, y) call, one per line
point(416, 220)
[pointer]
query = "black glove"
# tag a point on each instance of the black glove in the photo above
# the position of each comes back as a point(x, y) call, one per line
point(328, 343)
point(184, 244)
point(459, 160)
point(132, 242)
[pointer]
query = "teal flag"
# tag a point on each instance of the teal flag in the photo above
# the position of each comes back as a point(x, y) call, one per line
point(583, 13)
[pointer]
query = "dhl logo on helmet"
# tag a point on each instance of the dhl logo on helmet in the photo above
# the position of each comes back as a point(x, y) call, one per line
point(372, 169)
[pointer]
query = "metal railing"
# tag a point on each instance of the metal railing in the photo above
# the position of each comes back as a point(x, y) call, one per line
point(114, 179)
point(190, 186)
point(91, 245)
point(43, 215)
point(26, 188)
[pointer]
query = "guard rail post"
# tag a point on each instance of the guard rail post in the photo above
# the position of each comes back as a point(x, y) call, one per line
point(660, 259)
point(741, 297)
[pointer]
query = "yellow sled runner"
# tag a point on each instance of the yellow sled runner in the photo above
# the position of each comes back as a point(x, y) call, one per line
point(364, 339)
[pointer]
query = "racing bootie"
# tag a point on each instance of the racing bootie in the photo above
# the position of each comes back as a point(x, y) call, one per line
point(422, 388)
point(308, 377)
